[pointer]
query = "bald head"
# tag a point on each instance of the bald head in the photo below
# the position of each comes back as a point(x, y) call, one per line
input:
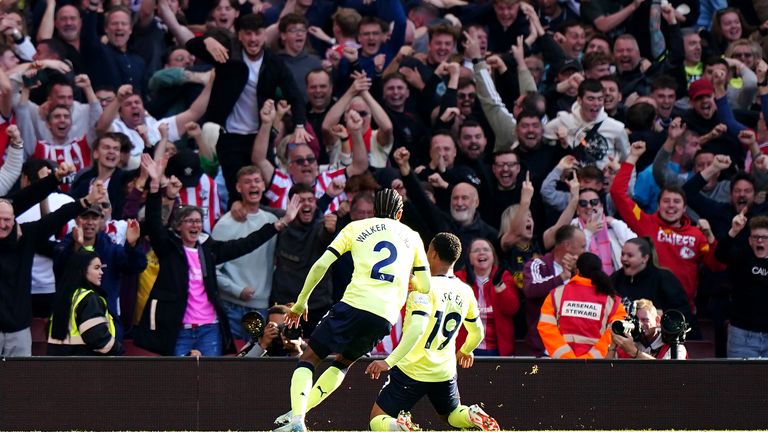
point(6, 218)
point(464, 202)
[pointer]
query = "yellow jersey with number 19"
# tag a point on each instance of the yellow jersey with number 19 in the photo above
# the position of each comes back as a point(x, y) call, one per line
point(448, 304)
point(385, 252)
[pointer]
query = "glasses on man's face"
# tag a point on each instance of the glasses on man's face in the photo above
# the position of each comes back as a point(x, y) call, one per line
point(465, 95)
point(742, 54)
point(192, 221)
point(759, 238)
point(586, 203)
point(307, 160)
point(501, 165)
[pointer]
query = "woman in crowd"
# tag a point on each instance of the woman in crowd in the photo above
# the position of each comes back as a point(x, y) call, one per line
point(576, 317)
point(497, 298)
point(80, 324)
point(184, 309)
point(640, 277)
point(605, 235)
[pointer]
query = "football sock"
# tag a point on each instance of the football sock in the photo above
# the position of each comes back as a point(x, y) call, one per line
point(329, 381)
point(459, 418)
point(384, 422)
point(301, 384)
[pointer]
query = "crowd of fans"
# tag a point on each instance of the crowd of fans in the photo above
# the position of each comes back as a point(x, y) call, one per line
point(208, 151)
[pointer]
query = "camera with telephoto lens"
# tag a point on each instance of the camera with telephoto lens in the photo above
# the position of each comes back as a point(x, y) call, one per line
point(629, 326)
point(673, 327)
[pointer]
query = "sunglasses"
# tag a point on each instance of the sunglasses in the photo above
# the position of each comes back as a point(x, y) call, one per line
point(301, 161)
point(585, 203)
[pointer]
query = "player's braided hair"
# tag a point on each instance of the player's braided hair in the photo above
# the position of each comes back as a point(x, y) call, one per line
point(387, 203)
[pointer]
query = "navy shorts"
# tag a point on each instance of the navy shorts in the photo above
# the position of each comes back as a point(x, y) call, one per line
point(348, 331)
point(401, 392)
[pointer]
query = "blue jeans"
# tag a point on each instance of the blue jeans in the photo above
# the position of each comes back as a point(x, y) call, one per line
point(205, 338)
point(234, 313)
point(746, 344)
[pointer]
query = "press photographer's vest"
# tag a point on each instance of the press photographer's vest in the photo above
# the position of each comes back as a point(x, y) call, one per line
point(582, 315)
point(74, 337)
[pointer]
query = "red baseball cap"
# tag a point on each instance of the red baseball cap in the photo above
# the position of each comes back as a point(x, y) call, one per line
point(701, 87)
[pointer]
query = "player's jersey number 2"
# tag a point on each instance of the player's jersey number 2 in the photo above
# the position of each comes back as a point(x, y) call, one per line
point(389, 259)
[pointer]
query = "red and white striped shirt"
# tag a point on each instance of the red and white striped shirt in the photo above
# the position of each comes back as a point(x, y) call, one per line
point(282, 183)
point(206, 196)
point(77, 152)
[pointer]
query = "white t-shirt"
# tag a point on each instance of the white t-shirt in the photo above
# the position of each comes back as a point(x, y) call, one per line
point(43, 280)
point(152, 131)
point(244, 118)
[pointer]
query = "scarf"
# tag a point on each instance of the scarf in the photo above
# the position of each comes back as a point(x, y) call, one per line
point(600, 245)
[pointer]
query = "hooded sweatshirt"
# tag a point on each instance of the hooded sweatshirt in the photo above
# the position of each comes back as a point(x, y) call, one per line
point(610, 140)
point(681, 249)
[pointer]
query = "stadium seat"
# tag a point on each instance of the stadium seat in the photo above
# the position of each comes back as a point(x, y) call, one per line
point(39, 336)
point(132, 350)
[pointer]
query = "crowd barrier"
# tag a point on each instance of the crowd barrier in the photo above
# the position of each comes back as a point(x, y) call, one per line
point(247, 394)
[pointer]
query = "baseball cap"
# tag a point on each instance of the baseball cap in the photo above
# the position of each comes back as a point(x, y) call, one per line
point(701, 87)
point(185, 165)
point(570, 65)
point(94, 209)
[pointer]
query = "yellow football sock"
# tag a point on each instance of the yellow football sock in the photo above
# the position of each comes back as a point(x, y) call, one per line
point(459, 418)
point(329, 381)
point(301, 384)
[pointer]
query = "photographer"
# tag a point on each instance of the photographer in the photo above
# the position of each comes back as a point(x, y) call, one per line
point(276, 340)
point(649, 344)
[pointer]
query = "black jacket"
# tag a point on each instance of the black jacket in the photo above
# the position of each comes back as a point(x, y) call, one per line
point(658, 285)
point(231, 77)
point(749, 280)
point(17, 254)
point(441, 221)
point(168, 300)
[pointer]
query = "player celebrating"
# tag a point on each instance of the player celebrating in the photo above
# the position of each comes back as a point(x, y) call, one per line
point(385, 253)
point(429, 368)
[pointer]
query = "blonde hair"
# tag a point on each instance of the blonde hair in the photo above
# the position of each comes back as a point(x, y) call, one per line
point(646, 305)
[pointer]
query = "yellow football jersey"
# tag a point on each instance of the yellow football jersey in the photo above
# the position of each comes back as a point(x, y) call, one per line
point(385, 252)
point(448, 303)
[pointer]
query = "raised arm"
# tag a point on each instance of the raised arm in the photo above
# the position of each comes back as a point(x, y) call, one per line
point(198, 107)
point(45, 29)
point(548, 238)
point(518, 221)
point(359, 153)
point(662, 174)
point(333, 116)
point(384, 135)
point(109, 114)
point(181, 33)
point(261, 142)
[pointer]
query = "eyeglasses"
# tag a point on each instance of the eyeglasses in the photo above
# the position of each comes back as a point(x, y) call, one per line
point(501, 165)
point(192, 221)
point(307, 160)
point(585, 203)
point(465, 95)
point(742, 54)
point(759, 238)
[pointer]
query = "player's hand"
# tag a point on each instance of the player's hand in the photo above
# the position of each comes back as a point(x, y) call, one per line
point(376, 368)
point(465, 360)
point(292, 319)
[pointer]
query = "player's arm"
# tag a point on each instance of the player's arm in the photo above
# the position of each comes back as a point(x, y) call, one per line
point(338, 246)
point(475, 330)
point(417, 313)
point(316, 273)
point(420, 281)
